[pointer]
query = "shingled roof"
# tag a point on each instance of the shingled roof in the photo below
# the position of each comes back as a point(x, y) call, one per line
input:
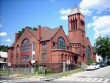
point(46, 33)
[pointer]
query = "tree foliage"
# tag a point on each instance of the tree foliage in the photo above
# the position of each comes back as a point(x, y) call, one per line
point(3, 48)
point(20, 32)
point(90, 61)
point(103, 47)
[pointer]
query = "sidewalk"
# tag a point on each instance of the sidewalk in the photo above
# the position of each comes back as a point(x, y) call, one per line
point(56, 75)
point(62, 74)
point(47, 77)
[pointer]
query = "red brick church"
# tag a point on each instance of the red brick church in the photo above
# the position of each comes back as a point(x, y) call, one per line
point(51, 47)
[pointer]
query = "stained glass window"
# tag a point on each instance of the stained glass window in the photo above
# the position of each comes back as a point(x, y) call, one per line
point(61, 43)
point(25, 45)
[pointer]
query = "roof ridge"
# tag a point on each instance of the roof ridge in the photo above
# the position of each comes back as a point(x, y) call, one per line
point(75, 10)
point(50, 28)
point(32, 33)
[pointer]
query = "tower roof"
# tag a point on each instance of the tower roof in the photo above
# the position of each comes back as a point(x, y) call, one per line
point(75, 11)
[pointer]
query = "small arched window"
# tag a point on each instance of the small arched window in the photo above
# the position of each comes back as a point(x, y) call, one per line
point(61, 43)
point(25, 45)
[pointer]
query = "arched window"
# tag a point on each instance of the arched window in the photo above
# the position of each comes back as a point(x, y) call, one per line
point(25, 45)
point(88, 52)
point(61, 43)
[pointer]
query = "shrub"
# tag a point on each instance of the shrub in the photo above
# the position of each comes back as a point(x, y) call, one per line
point(40, 71)
point(36, 67)
point(90, 61)
point(48, 70)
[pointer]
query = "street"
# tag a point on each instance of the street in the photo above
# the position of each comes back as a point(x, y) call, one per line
point(101, 75)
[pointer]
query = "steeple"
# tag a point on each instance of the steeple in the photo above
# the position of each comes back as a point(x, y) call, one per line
point(76, 25)
point(75, 11)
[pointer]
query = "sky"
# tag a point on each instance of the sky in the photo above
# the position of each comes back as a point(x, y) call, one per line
point(17, 14)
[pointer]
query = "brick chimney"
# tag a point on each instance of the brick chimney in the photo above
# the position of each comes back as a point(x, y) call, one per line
point(16, 37)
point(39, 32)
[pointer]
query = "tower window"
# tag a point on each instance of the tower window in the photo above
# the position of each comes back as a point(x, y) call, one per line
point(82, 23)
point(76, 23)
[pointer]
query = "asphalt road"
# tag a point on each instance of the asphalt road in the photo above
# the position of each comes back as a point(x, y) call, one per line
point(101, 75)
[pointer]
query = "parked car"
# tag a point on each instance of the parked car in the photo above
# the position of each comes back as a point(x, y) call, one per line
point(103, 63)
point(93, 66)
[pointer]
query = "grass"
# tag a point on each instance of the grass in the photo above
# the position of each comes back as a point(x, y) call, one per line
point(27, 74)
point(4, 72)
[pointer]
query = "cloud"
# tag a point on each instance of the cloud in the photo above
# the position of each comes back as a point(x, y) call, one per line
point(101, 25)
point(3, 34)
point(86, 12)
point(98, 5)
point(64, 17)
point(8, 40)
point(64, 13)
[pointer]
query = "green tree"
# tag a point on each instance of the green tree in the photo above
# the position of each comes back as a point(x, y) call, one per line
point(103, 47)
point(20, 32)
point(4, 48)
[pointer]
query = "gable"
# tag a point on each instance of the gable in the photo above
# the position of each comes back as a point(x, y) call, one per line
point(60, 33)
point(26, 34)
point(48, 33)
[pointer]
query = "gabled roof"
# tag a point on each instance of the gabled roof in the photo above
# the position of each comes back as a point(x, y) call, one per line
point(46, 33)
point(33, 32)
point(75, 11)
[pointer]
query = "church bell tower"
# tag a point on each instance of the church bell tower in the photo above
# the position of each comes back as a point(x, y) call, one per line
point(76, 26)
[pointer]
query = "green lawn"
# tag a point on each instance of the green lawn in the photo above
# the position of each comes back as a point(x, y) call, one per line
point(5, 72)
